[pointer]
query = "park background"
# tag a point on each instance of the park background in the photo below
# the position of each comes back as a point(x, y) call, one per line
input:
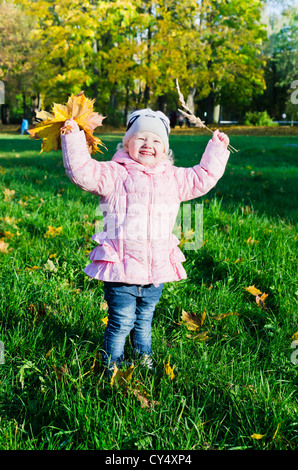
point(228, 378)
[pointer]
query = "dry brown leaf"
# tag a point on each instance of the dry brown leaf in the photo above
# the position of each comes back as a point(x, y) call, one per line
point(191, 321)
point(122, 377)
point(8, 194)
point(261, 299)
point(143, 396)
point(61, 373)
point(95, 365)
point(223, 315)
point(253, 290)
point(3, 246)
point(202, 336)
point(169, 370)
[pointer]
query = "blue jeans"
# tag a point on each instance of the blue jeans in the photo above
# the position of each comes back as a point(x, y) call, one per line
point(130, 312)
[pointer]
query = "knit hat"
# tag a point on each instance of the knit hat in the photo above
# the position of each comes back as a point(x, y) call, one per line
point(151, 121)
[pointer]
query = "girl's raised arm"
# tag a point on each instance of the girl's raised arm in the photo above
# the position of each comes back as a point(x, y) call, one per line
point(87, 173)
point(198, 180)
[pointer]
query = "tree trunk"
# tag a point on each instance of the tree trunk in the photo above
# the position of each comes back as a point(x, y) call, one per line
point(126, 105)
point(162, 103)
point(5, 114)
point(213, 109)
point(25, 108)
point(147, 87)
point(146, 95)
point(216, 113)
point(190, 101)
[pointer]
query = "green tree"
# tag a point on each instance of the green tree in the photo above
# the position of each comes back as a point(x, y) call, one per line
point(235, 69)
point(16, 67)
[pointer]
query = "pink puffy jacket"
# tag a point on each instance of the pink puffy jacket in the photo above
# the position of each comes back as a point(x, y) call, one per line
point(140, 205)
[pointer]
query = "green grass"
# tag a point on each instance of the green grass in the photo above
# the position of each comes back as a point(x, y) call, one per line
point(240, 382)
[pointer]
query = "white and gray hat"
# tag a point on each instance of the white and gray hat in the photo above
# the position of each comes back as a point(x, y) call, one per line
point(151, 121)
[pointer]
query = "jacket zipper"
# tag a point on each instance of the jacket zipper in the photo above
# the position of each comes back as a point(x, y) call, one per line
point(149, 234)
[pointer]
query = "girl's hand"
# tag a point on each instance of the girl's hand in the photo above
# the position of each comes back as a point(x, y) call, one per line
point(220, 138)
point(70, 126)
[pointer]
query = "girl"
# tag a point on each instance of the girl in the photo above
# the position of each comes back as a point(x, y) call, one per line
point(140, 191)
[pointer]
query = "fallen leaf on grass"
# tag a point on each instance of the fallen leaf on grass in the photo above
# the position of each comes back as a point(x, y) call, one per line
point(261, 299)
point(186, 237)
point(3, 246)
point(122, 377)
point(169, 370)
point(192, 321)
point(53, 232)
point(22, 203)
point(105, 321)
point(252, 241)
point(223, 315)
point(276, 431)
point(61, 373)
point(49, 266)
point(203, 336)
point(49, 352)
point(257, 436)
point(32, 268)
point(253, 290)
point(143, 396)
point(8, 194)
point(259, 296)
point(94, 369)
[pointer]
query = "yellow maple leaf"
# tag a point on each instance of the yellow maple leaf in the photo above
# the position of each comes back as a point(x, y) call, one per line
point(122, 377)
point(202, 336)
point(191, 321)
point(257, 436)
point(8, 194)
point(169, 370)
point(80, 109)
point(295, 336)
point(8, 234)
point(253, 290)
point(223, 315)
point(3, 246)
point(105, 320)
point(49, 352)
point(261, 299)
point(251, 241)
point(53, 231)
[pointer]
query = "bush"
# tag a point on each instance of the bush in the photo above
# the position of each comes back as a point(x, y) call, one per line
point(258, 118)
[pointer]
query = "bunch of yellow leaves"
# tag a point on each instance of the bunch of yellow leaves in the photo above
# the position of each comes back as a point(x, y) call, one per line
point(260, 297)
point(80, 109)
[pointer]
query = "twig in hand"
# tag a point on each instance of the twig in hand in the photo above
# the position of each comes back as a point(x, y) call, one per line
point(194, 119)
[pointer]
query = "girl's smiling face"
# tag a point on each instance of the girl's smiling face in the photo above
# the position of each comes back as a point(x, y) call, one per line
point(146, 148)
